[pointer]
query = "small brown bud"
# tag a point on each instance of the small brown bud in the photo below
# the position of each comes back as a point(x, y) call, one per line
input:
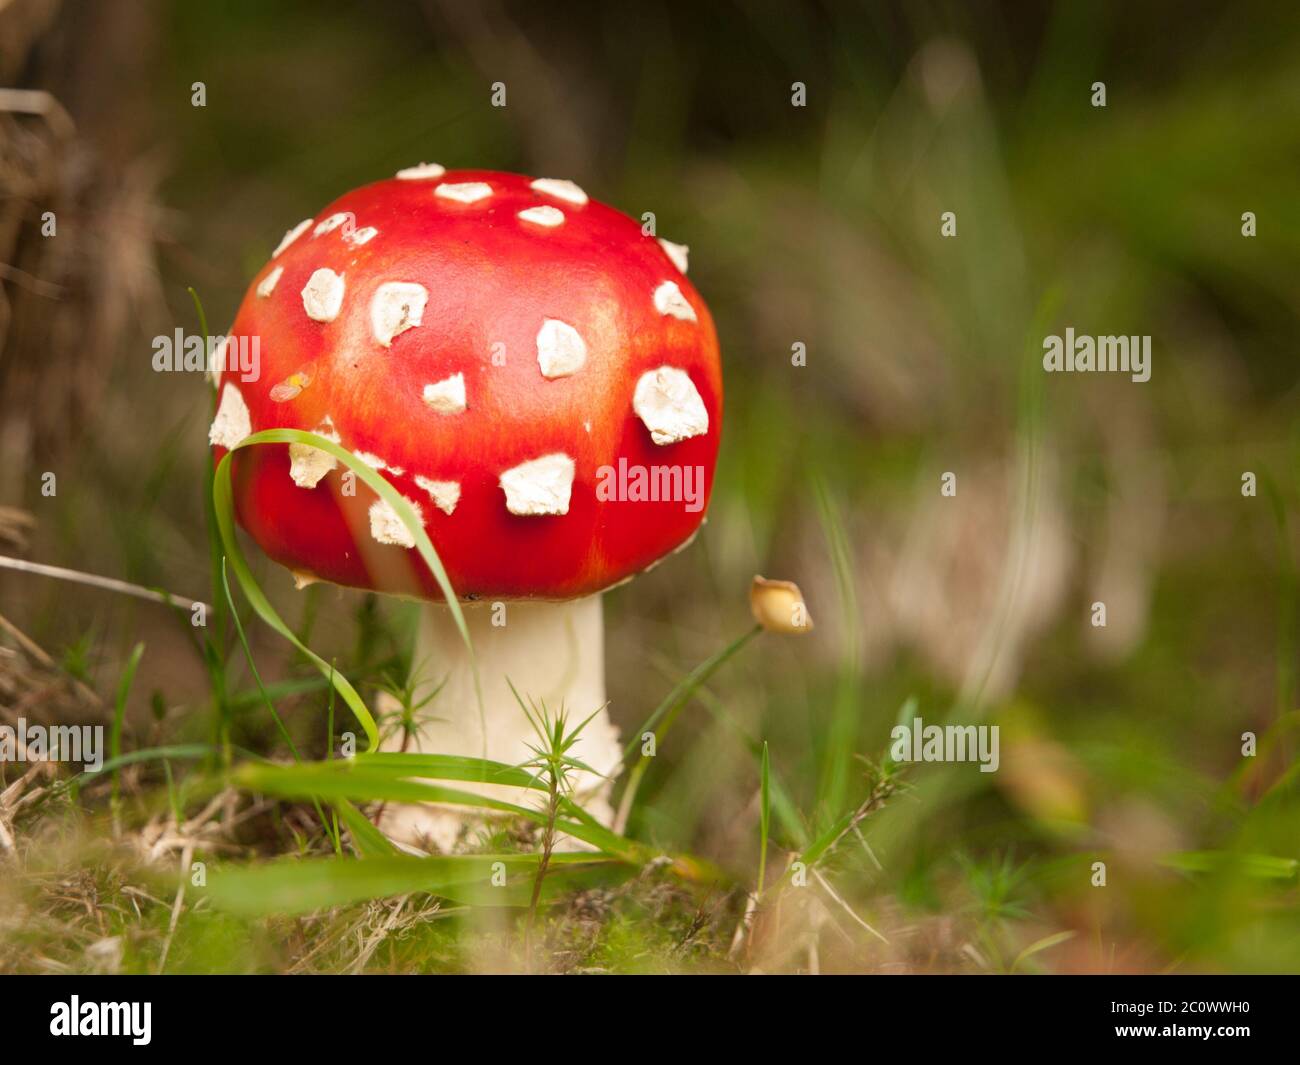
point(779, 607)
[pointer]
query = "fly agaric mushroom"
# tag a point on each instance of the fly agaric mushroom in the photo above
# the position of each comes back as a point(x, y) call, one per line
point(537, 378)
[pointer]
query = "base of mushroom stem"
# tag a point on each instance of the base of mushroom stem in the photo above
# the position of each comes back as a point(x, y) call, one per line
point(553, 653)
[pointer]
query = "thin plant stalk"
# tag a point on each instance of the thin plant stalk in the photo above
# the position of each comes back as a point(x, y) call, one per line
point(119, 717)
point(664, 717)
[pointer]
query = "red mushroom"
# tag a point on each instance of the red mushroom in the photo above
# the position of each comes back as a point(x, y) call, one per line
point(535, 375)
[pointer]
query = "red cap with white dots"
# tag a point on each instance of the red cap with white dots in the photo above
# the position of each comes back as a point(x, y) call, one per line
point(529, 369)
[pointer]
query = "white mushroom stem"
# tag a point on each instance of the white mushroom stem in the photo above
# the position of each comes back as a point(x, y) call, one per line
point(552, 653)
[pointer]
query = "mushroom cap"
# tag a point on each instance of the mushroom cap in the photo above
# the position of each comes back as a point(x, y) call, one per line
point(524, 365)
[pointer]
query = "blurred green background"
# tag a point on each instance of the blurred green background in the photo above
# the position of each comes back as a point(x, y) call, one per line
point(816, 225)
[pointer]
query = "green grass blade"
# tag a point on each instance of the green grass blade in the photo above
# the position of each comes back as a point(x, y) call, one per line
point(1037, 947)
point(1257, 866)
point(180, 752)
point(764, 814)
point(257, 677)
point(370, 842)
point(842, 732)
point(242, 700)
point(316, 780)
point(329, 757)
point(666, 713)
point(119, 714)
point(586, 828)
point(358, 780)
point(818, 847)
point(252, 665)
point(215, 638)
point(443, 767)
point(783, 806)
point(224, 505)
point(686, 687)
point(297, 886)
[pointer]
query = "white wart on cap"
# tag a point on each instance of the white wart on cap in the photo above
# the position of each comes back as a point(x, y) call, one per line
point(232, 422)
point(331, 223)
point(322, 296)
point(464, 192)
point(421, 172)
point(267, 285)
point(446, 396)
point(396, 307)
point(561, 351)
point(445, 494)
point(307, 464)
point(546, 216)
point(678, 253)
point(669, 404)
point(670, 301)
point(560, 189)
point(387, 528)
point(540, 486)
point(293, 234)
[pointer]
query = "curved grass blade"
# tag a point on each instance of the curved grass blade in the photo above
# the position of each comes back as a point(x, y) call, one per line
point(252, 665)
point(685, 688)
point(333, 781)
point(764, 814)
point(295, 886)
point(443, 767)
point(257, 676)
point(119, 713)
point(665, 715)
point(179, 752)
point(224, 502)
point(214, 643)
point(1038, 946)
point(316, 781)
point(1258, 866)
point(371, 843)
point(846, 709)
